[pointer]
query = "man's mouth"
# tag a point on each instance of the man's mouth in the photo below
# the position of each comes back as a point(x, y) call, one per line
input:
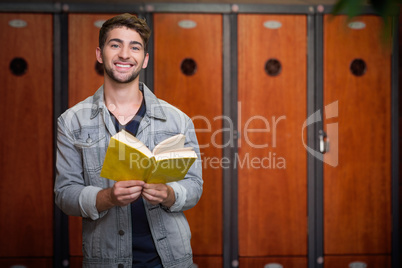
point(123, 65)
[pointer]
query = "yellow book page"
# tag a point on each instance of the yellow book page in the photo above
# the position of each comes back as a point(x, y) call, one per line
point(173, 143)
point(169, 170)
point(124, 163)
point(132, 141)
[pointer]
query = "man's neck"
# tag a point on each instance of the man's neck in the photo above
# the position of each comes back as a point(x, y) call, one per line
point(123, 100)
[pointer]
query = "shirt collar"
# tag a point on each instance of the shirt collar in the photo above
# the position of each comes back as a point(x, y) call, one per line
point(153, 106)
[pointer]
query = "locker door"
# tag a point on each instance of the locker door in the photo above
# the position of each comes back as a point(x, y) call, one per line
point(357, 168)
point(272, 262)
point(85, 77)
point(382, 261)
point(85, 74)
point(188, 74)
point(272, 175)
point(26, 158)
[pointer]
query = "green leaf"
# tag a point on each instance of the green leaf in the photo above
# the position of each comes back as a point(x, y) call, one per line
point(338, 7)
point(351, 7)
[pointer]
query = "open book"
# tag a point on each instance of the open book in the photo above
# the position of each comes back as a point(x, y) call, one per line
point(127, 158)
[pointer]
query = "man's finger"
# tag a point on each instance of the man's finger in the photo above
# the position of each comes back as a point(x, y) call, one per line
point(131, 183)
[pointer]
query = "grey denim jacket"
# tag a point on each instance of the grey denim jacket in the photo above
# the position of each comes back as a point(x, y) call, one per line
point(83, 136)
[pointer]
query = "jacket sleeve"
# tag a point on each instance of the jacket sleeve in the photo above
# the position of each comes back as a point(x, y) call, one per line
point(72, 196)
point(188, 191)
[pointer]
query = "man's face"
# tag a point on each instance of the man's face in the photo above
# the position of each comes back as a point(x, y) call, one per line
point(123, 55)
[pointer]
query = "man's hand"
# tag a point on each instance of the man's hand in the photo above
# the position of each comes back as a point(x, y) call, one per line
point(121, 194)
point(159, 194)
point(125, 192)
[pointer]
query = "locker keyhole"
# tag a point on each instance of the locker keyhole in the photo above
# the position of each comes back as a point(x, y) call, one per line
point(18, 66)
point(99, 68)
point(188, 66)
point(273, 67)
point(358, 67)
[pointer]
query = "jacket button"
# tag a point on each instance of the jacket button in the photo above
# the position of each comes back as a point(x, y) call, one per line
point(121, 232)
point(120, 265)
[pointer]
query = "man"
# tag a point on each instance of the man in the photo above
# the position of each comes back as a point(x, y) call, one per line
point(127, 223)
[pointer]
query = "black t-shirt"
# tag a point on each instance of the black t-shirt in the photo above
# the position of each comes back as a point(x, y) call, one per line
point(144, 250)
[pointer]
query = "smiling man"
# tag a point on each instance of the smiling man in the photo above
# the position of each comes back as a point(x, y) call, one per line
point(126, 223)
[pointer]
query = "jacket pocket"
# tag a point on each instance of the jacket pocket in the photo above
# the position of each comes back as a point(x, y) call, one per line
point(92, 146)
point(181, 246)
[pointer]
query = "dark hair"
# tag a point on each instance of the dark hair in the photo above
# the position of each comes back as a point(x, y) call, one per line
point(125, 20)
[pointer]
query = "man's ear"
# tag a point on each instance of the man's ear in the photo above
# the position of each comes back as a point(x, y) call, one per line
point(99, 55)
point(145, 64)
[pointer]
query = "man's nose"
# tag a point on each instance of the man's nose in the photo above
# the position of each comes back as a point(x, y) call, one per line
point(124, 53)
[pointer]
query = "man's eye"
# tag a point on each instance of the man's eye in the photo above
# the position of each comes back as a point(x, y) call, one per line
point(135, 48)
point(114, 45)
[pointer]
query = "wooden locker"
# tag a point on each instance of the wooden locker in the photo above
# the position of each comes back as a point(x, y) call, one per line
point(188, 74)
point(26, 262)
point(273, 262)
point(26, 158)
point(357, 119)
point(207, 262)
point(85, 76)
point(374, 261)
point(272, 174)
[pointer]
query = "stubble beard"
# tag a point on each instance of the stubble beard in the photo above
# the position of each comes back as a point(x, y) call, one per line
point(126, 79)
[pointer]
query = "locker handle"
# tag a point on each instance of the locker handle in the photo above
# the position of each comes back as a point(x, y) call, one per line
point(358, 67)
point(273, 265)
point(357, 264)
point(324, 145)
point(18, 66)
point(273, 67)
point(188, 66)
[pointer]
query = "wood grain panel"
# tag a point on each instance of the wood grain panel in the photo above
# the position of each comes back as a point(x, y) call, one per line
point(83, 81)
point(199, 96)
point(76, 261)
point(272, 172)
point(210, 262)
point(75, 235)
point(357, 192)
point(26, 262)
point(290, 262)
point(26, 184)
point(382, 261)
point(83, 36)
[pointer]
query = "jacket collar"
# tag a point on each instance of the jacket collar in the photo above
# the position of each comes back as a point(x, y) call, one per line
point(98, 102)
point(153, 106)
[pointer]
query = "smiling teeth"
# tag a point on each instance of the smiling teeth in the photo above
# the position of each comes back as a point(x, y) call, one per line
point(123, 65)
